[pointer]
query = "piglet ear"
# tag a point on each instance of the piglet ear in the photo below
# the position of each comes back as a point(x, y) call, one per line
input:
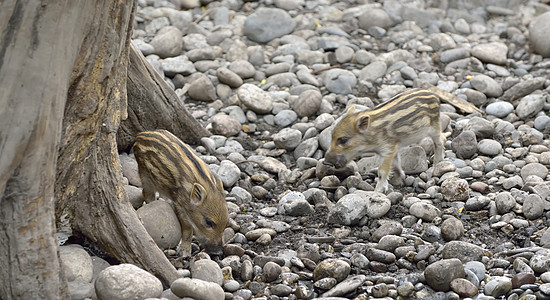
point(363, 124)
point(351, 110)
point(198, 194)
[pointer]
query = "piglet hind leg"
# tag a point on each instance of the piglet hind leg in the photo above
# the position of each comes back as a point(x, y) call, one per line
point(186, 238)
point(398, 175)
point(148, 188)
point(439, 141)
point(186, 235)
point(384, 169)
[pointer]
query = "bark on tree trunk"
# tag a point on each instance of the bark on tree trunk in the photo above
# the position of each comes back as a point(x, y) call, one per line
point(89, 177)
point(38, 45)
point(152, 104)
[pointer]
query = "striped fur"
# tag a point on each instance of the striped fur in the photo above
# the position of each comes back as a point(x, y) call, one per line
point(170, 167)
point(402, 120)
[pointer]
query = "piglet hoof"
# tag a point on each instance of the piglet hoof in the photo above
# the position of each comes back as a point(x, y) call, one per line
point(184, 250)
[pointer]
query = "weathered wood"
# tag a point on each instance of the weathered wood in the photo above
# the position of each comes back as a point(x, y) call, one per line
point(89, 186)
point(152, 104)
point(38, 45)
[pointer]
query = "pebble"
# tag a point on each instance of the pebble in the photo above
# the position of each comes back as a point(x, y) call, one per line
point(477, 268)
point(498, 286)
point(424, 211)
point(413, 159)
point(255, 98)
point(207, 270)
point(229, 173)
point(167, 42)
point(455, 189)
point(225, 125)
point(287, 138)
point(308, 103)
point(196, 288)
point(537, 37)
point(334, 268)
point(522, 278)
point(339, 81)
point(494, 53)
point(265, 24)
point(536, 169)
point(81, 290)
point(349, 210)
point(499, 109)
point(373, 71)
point(374, 17)
point(452, 229)
point(533, 207)
point(440, 274)
point(171, 66)
point(489, 147)
point(463, 287)
point(540, 263)
point(202, 89)
point(481, 127)
point(464, 145)
point(285, 118)
point(271, 271)
point(530, 105)
point(462, 250)
point(294, 204)
point(229, 77)
point(486, 85)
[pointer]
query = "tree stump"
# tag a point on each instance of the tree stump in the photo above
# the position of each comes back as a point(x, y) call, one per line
point(152, 104)
point(89, 187)
point(39, 43)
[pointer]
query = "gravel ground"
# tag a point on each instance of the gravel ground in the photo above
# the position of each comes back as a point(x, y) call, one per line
point(270, 79)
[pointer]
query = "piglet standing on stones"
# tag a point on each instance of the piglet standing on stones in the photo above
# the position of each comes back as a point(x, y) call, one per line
point(400, 121)
point(168, 166)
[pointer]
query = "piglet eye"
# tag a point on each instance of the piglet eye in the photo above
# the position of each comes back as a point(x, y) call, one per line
point(209, 223)
point(342, 140)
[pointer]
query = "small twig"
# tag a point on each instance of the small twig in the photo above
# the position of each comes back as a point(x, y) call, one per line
point(324, 69)
point(517, 251)
point(206, 13)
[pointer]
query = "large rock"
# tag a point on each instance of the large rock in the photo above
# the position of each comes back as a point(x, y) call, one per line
point(76, 263)
point(125, 282)
point(538, 34)
point(268, 23)
point(165, 231)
